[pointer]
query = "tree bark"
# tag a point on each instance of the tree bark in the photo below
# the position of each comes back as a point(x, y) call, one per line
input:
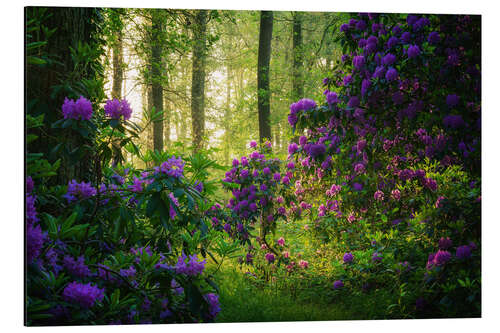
point(264, 57)
point(227, 116)
point(156, 78)
point(198, 79)
point(73, 26)
point(298, 58)
point(116, 91)
point(168, 121)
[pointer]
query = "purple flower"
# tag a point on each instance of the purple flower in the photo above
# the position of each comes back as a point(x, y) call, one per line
point(173, 167)
point(405, 37)
point(34, 242)
point(359, 168)
point(361, 25)
point(463, 252)
point(452, 100)
point(344, 28)
point(129, 272)
point(83, 294)
point(413, 51)
point(266, 171)
point(192, 267)
point(378, 195)
point(391, 74)
point(411, 19)
point(430, 183)
point(292, 148)
point(236, 162)
point(348, 257)
point(331, 97)
point(81, 109)
point(353, 102)
point(77, 267)
point(441, 257)
point(396, 194)
point(198, 186)
point(338, 284)
point(434, 38)
point(306, 104)
point(357, 187)
point(372, 40)
point(277, 176)
point(347, 80)
point(269, 257)
point(445, 243)
point(244, 173)
point(302, 140)
point(388, 59)
point(79, 191)
point(379, 72)
point(31, 214)
point(358, 61)
point(370, 47)
point(285, 180)
point(213, 305)
point(393, 41)
point(29, 185)
point(317, 150)
point(115, 109)
point(253, 144)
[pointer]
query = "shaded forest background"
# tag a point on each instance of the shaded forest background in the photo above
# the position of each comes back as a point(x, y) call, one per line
point(197, 66)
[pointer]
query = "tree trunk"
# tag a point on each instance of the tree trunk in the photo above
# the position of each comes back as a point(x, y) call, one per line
point(116, 91)
point(168, 113)
point(264, 57)
point(227, 116)
point(198, 79)
point(73, 26)
point(298, 58)
point(156, 78)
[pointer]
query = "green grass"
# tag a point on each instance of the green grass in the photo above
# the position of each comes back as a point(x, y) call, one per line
point(243, 301)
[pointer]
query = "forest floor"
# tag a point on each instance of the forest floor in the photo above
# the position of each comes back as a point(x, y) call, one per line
point(244, 301)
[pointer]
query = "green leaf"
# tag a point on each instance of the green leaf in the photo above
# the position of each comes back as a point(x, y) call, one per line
point(69, 221)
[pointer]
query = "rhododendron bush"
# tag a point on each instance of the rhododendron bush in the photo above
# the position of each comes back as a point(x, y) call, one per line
point(390, 161)
point(119, 250)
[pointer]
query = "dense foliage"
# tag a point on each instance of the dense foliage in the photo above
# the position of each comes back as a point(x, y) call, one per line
point(391, 161)
point(378, 198)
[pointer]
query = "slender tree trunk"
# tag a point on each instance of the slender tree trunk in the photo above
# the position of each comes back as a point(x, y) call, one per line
point(298, 58)
point(150, 130)
point(264, 57)
point(198, 78)
point(156, 84)
point(116, 91)
point(168, 114)
point(227, 116)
